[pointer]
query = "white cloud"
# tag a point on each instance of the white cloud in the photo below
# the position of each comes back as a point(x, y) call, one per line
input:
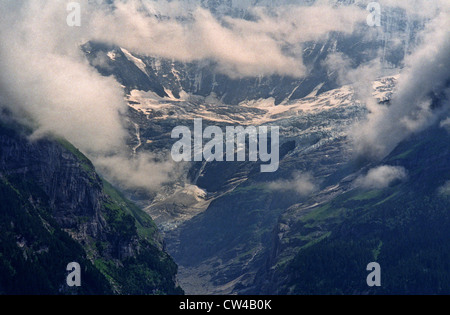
point(445, 189)
point(46, 78)
point(425, 73)
point(381, 177)
point(143, 171)
point(303, 184)
point(445, 124)
point(46, 81)
point(269, 44)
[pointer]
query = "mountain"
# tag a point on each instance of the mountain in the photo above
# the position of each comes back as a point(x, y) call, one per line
point(311, 227)
point(56, 210)
point(234, 230)
point(221, 224)
point(170, 78)
point(323, 247)
point(231, 204)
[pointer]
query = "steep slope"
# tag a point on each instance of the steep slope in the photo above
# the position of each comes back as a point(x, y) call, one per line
point(56, 210)
point(324, 248)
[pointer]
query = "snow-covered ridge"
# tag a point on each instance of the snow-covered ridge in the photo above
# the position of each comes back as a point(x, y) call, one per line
point(138, 62)
point(252, 112)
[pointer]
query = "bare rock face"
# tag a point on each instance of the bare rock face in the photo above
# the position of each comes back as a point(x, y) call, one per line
point(73, 189)
point(65, 212)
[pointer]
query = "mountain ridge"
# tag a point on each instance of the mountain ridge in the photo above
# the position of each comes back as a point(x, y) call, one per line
point(59, 211)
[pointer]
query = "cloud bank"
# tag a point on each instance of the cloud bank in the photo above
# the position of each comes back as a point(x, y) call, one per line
point(143, 171)
point(412, 107)
point(47, 81)
point(303, 184)
point(270, 43)
point(381, 177)
point(45, 76)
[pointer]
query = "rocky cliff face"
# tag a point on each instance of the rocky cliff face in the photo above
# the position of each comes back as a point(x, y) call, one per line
point(53, 192)
point(73, 188)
